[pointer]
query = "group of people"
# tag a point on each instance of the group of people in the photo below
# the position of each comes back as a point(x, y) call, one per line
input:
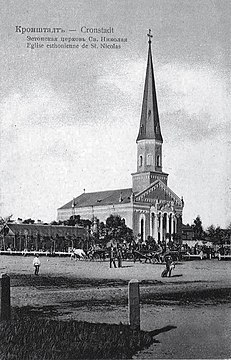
point(115, 254)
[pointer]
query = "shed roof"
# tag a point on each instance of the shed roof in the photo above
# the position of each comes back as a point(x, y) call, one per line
point(45, 230)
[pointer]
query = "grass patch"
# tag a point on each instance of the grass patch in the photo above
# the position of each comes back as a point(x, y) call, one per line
point(36, 339)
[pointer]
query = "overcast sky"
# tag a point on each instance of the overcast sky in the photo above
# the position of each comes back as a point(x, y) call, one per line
point(70, 117)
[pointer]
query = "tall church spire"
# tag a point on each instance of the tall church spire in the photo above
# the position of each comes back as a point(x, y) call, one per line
point(149, 140)
point(149, 122)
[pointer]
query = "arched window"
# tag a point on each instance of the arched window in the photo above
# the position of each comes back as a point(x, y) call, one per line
point(140, 160)
point(142, 227)
point(149, 159)
point(158, 160)
point(153, 224)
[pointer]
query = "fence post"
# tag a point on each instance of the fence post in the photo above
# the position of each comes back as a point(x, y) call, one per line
point(5, 297)
point(134, 304)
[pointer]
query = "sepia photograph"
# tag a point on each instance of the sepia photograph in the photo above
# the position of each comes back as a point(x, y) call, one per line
point(115, 185)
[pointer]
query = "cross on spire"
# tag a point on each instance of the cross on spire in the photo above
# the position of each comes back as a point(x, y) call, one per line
point(149, 36)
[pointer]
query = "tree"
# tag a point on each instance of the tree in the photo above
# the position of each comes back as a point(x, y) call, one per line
point(117, 229)
point(5, 220)
point(216, 234)
point(102, 230)
point(198, 229)
point(211, 233)
point(54, 223)
point(228, 229)
point(73, 221)
point(28, 221)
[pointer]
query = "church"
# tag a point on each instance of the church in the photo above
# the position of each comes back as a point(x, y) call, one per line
point(149, 207)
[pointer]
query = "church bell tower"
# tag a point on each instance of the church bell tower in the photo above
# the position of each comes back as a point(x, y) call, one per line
point(149, 140)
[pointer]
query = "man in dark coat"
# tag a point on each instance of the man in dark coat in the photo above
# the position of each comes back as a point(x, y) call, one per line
point(113, 254)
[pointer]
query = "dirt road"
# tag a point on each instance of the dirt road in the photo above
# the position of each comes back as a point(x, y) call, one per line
point(189, 313)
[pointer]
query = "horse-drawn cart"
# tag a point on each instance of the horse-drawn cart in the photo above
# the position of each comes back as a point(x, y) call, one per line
point(97, 254)
point(146, 255)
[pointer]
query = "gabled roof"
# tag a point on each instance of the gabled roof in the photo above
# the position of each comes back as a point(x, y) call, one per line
point(100, 198)
point(155, 191)
point(44, 230)
point(149, 122)
point(158, 191)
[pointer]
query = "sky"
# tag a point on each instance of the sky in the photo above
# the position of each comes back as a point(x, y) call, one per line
point(69, 118)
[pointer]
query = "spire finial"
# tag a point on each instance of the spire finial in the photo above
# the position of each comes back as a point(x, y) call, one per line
point(149, 36)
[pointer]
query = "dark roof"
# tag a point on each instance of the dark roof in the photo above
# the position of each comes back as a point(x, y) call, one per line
point(45, 230)
point(149, 122)
point(108, 197)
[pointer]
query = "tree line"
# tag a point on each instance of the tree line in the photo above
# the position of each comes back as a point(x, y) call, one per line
point(116, 228)
point(213, 233)
point(99, 232)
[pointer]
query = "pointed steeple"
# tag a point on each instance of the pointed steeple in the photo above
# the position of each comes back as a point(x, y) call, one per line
point(149, 141)
point(149, 122)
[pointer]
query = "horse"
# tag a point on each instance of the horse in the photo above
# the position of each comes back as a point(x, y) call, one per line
point(78, 254)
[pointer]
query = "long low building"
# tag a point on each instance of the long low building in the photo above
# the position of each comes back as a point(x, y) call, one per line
point(42, 237)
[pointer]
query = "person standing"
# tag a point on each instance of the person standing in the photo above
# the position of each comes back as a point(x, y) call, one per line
point(169, 262)
point(36, 264)
point(119, 256)
point(112, 256)
point(169, 266)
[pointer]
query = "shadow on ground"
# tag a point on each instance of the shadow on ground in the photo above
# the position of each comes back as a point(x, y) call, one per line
point(162, 330)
